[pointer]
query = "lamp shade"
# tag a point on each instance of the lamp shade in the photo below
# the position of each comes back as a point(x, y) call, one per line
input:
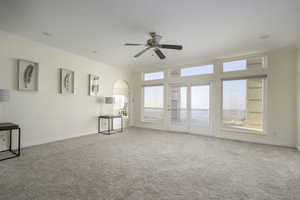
point(4, 95)
point(109, 100)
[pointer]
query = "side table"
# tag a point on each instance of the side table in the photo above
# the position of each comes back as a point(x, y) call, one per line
point(10, 127)
point(110, 120)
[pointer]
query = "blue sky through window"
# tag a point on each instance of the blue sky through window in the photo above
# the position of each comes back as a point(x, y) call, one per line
point(234, 94)
point(199, 70)
point(234, 65)
point(153, 96)
point(153, 76)
point(200, 97)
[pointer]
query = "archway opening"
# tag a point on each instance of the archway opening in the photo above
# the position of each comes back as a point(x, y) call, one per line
point(121, 96)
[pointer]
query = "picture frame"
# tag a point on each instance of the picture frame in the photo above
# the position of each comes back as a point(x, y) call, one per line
point(94, 85)
point(28, 75)
point(67, 81)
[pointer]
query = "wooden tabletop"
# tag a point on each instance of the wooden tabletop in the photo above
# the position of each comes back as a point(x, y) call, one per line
point(8, 126)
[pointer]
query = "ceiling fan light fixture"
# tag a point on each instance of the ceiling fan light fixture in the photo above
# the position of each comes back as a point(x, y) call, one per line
point(153, 43)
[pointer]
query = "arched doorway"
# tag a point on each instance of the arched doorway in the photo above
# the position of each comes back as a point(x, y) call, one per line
point(121, 96)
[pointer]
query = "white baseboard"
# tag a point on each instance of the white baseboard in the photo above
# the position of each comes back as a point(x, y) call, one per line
point(226, 138)
point(56, 139)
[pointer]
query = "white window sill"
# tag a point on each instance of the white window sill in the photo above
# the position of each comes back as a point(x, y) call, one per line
point(243, 130)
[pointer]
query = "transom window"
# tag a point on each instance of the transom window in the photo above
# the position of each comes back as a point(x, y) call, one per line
point(153, 76)
point(198, 70)
point(245, 64)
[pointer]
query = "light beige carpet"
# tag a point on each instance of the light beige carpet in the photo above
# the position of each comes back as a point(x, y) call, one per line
point(145, 164)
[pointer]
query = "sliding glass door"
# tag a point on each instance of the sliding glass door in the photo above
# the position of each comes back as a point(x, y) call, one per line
point(189, 107)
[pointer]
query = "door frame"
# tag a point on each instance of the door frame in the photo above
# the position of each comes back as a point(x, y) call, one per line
point(189, 129)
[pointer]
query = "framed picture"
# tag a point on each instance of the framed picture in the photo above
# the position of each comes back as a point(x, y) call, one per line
point(28, 75)
point(94, 85)
point(67, 81)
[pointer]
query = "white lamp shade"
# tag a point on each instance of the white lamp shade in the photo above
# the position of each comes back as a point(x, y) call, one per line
point(4, 95)
point(109, 100)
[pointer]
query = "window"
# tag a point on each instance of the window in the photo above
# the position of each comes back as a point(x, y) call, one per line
point(153, 76)
point(200, 70)
point(251, 63)
point(243, 103)
point(200, 106)
point(235, 66)
point(153, 103)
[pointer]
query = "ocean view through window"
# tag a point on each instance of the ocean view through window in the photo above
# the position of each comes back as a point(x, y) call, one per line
point(200, 98)
point(153, 103)
point(243, 103)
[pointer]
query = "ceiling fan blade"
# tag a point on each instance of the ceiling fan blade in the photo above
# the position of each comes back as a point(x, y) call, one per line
point(133, 44)
point(169, 46)
point(159, 53)
point(140, 53)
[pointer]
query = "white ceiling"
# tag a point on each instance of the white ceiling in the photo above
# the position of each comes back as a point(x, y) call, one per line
point(206, 28)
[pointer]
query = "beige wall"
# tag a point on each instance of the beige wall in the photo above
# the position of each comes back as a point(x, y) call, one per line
point(281, 102)
point(46, 115)
point(298, 95)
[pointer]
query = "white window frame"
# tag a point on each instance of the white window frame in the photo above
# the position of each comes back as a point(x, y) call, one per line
point(143, 103)
point(263, 67)
point(264, 107)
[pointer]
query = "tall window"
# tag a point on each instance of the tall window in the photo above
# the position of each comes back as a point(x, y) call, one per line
point(243, 103)
point(153, 76)
point(153, 103)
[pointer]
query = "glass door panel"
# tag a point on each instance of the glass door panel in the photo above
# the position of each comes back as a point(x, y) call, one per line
point(200, 106)
point(178, 107)
point(189, 108)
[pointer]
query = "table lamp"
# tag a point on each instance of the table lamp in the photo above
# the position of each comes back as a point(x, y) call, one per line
point(4, 94)
point(109, 100)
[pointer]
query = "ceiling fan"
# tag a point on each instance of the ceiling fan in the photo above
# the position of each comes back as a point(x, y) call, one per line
point(153, 43)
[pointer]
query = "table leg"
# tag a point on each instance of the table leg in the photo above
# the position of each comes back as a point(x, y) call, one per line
point(19, 143)
point(108, 125)
point(99, 125)
point(10, 138)
point(121, 124)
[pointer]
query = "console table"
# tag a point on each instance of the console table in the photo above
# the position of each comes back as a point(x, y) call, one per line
point(10, 127)
point(110, 120)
